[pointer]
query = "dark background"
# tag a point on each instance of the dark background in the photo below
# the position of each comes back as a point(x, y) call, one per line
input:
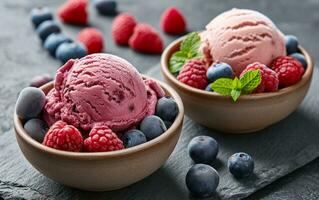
point(22, 57)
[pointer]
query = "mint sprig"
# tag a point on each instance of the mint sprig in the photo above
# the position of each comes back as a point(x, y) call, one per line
point(235, 87)
point(189, 49)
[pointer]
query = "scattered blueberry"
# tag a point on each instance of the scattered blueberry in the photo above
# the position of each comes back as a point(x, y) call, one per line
point(219, 70)
point(291, 44)
point(46, 28)
point(133, 137)
point(106, 7)
point(38, 81)
point(203, 149)
point(241, 165)
point(39, 15)
point(166, 109)
point(152, 126)
point(54, 40)
point(209, 88)
point(202, 180)
point(67, 51)
point(301, 59)
point(30, 103)
point(36, 128)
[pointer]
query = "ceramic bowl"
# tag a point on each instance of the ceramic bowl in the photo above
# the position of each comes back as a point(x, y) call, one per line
point(250, 113)
point(106, 170)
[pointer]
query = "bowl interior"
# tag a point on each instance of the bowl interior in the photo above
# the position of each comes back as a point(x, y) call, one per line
point(18, 125)
point(175, 45)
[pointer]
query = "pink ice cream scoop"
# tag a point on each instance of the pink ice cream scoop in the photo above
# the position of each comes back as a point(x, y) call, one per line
point(240, 37)
point(101, 89)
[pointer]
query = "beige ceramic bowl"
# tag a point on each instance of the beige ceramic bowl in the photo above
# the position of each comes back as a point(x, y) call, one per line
point(249, 114)
point(106, 170)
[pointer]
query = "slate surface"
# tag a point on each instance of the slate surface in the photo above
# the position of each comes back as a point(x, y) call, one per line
point(22, 57)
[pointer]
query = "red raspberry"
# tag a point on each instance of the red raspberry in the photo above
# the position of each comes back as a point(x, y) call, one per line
point(269, 78)
point(92, 38)
point(289, 70)
point(102, 139)
point(193, 74)
point(74, 12)
point(122, 28)
point(173, 21)
point(145, 39)
point(63, 137)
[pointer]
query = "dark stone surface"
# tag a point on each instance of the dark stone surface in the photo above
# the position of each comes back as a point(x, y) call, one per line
point(278, 150)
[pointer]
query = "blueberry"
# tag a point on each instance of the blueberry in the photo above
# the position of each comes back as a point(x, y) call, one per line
point(202, 180)
point(133, 137)
point(166, 109)
point(106, 7)
point(54, 40)
point(152, 126)
point(241, 165)
point(38, 81)
point(219, 70)
point(168, 124)
point(30, 103)
point(36, 128)
point(203, 149)
point(209, 88)
point(46, 28)
point(67, 51)
point(291, 44)
point(39, 15)
point(301, 58)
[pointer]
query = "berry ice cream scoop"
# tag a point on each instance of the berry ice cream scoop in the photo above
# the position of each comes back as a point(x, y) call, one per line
point(240, 37)
point(101, 89)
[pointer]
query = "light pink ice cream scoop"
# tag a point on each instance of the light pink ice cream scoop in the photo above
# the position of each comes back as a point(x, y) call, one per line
point(101, 89)
point(240, 37)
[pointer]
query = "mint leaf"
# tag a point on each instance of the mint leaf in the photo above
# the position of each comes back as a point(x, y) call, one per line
point(177, 61)
point(236, 84)
point(223, 86)
point(235, 94)
point(188, 50)
point(250, 81)
point(191, 42)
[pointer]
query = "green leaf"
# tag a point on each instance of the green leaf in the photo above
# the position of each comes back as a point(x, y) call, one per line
point(189, 50)
point(250, 81)
point(177, 61)
point(236, 84)
point(223, 86)
point(190, 43)
point(235, 94)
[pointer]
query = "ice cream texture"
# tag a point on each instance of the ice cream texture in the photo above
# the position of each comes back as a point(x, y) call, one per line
point(101, 89)
point(240, 37)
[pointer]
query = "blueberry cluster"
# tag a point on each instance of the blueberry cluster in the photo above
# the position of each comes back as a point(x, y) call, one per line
point(29, 108)
point(153, 126)
point(293, 50)
point(202, 179)
point(54, 41)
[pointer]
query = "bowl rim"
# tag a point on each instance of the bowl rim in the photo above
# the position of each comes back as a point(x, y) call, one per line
point(19, 130)
point(213, 95)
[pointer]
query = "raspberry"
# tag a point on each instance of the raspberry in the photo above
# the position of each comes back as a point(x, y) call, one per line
point(102, 139)
point(145, 39)
point(63, 137)
point(173, 21)
point(74, 12)
point(122, 28)
point(92, 38)
point(289, 70)
point(193, 74)
point(269, 78)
